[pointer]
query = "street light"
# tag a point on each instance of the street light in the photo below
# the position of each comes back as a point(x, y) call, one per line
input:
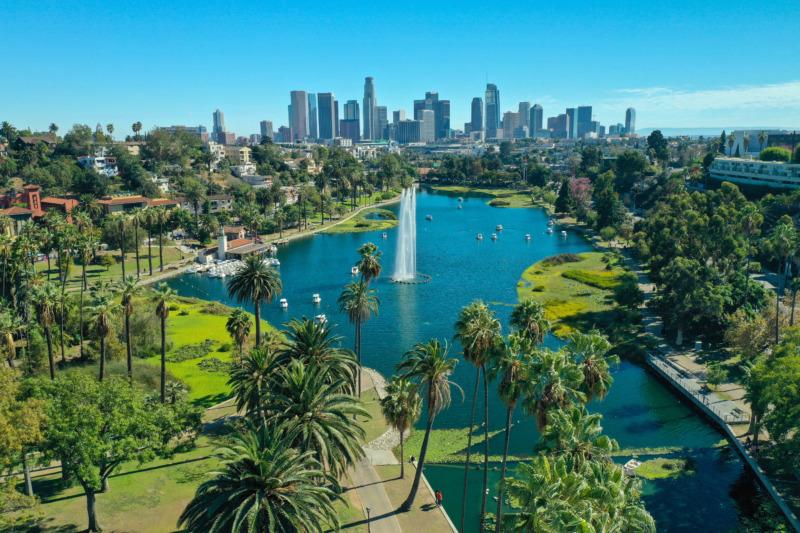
point(369, 528)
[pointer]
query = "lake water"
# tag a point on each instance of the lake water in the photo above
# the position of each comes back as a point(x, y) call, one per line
point(639, 411)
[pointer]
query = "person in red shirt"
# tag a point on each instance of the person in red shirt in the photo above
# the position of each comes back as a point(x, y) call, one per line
point(438, 498)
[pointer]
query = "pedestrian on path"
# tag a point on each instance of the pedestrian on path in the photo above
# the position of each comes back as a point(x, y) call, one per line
point(438, 498)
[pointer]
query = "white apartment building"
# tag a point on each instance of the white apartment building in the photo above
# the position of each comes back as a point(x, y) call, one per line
point(756, 173)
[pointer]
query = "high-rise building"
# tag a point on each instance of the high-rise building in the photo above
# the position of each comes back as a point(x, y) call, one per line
point(408, 131)
point(398, 116)
point(535, 121)
point(476, 122)
point(428, 126)
point(442, 111)
point(559, 126)
point(351, 110)
point(298, 115)
point(350, 128)
point(312, 116)
point(328, 111)
point(492, 114)
point(266, 129)
point(630, 121)
point(284, 134)
point(218, 130)
point(383, 121)
point(369, 109)
point(572, 125)
point(511, 123)
point(524, 112)
point(584, 125)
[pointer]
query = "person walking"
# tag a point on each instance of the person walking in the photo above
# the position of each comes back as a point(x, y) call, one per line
point(438, 494)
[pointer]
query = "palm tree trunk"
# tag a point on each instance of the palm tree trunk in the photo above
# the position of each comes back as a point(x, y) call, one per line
point(136, 238)
point(63, 317)
point(485, 446)
point(501, 490)
point(48, 266)
point(358, 354)
point(122, 251)
point(128, 345)
point(160, 247)
point(80, 314)
point(150, 248)
point(102, 357)
point(409, 501)
point(257, 310)
point(163, 358)
point(469, 447)
point(794, 302)
point(49, 335)
point(402, 458)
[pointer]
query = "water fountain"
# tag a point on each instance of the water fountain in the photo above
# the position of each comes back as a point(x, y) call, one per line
point(405, 263)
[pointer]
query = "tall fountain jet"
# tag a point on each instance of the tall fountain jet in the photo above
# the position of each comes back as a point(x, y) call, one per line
point(405, 263)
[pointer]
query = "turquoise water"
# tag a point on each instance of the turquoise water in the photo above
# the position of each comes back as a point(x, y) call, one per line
point(638, 412)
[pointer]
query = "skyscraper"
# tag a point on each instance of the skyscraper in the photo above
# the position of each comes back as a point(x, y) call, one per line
point(442, 111)
point(312, 115)
point(351, 110)
point(383, 121)
point(369, 109)
point(398, 116)
point(350, 126)
point(428, 126)
point(298, 115)
point(492, 114)
point(218, 130)
point(535, 122)
point(630, 121)
point(584, 125)
point(524, 112)
point(572, 123)
point(266, 129)
point(328, 111)
point(477, 114)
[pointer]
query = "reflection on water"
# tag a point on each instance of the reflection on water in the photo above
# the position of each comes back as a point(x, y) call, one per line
point(638, 412)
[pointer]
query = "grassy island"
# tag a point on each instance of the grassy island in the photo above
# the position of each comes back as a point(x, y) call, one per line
point(576, 289)
point(371, 219)
point(497, 197)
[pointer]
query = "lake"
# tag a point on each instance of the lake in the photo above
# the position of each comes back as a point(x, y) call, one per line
point(638, 412)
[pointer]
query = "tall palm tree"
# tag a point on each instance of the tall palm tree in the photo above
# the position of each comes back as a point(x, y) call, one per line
point(263, 484)
point(101, 314)
point(783, 243)
point(87, 246)
point(136, 127)
point(147, 217)
point(590, 352)
point(238, 327)
point(370, 263)
point(359, 303)
point(322, 414)
point(136, 218)
point(731, 142)
point(762, 139)
point(46, 301)
point(554, 381)
point(250, 380)
point(128, 290)
point(255, 282)
point(529, 320)
point(478, 330)
point(117, 223)
point(401, 408)
point(576, 434)
point(508, 365)
point(163, 296)
point(161, 217)
point(429, 367)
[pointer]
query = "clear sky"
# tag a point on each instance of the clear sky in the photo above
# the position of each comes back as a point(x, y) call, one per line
point(691, 63)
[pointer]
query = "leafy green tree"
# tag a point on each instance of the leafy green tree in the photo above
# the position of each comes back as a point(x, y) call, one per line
point(782, 243)
point(429, 367)
point(263, 484)
point(659, 146)
point(610, 212)
point(563, 201)
point(238, 327)
point(359, 303)
point(775, 153)
point(401, 407)
point(716, 375)
point(21, 422)
point(627, 293)
point(162, 297)
point(255, 282)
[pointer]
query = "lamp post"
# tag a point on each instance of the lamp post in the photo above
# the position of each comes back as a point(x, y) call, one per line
point(369, 525)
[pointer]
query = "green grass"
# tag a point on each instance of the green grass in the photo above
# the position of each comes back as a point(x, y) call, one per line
point(449, 445)
point(570, 290)
point(371, 219)
point(662, 468)
point(499, 197)
point(375, 425)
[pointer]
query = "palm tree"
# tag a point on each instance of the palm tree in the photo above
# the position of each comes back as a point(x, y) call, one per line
point(280, 220)
point(554, 381)
point(783, 243)
point(762, 139)
point(590, 352)
point(10, 324)
point(46, 300)
point(263, 484)
point(321, 413)
point(128, 290)
point(238, 326)
point(136, 127)
point(731, 141)
point(250, 380)
point(117, 222)
point(136, 218)
point(401, 408)
point(110, 129)
point(578, 435)
point(509, 366)
point(161, 217)
point(101, 312)
point(478, 330)
point(370, 263)
point(427, 364)
point(359, 303)
point(794, 285)
point(529, 320)
point(255, 282)
point(148, 217)
point(163, 297)
point(87, 246)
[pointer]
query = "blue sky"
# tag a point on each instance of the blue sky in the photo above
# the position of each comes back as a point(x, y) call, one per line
point(681, 64)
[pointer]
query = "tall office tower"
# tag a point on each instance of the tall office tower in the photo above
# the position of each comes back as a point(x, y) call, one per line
point(559, 126)
point(351, 110)
point(630, 121)
point(398, 116)
point(383, 121)
point(428, 126)
point(327, 109)
point(584, 125)
point(266, 129)
point(408, 131)
point(370, 111)
point(284, 134)
point(524, 112)
point(476, 122)
point(350, 128)
point(492, 114)
point(511, 121)
point(312, 115)
point(535, 121)
point(298, 115)
point(442, 111)
point(572, 125)
point(218, 131)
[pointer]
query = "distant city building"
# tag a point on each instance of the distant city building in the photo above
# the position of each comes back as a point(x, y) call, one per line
point(524, 112)
point(428, 126)
point(312, 116)
point(492, 114)
point(255, 138)
point(630, 121)
point(351, 110)
point(328, 115)
point(298, 115)
point(383, 121)
point(218, 130)
point(616, 129)
point(198, 131)
point(572, 125)
point(441, 113)
point(535, 121)
point(370, 103)
point(284, 134)
point(584, 124)
point(510, 123)
point(476, 122)
point(408, 131)
point(350, 128)
point(398, 116)
point(266, 129)
point(559, 126)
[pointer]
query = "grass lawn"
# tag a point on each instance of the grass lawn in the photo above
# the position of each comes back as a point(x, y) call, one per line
point(663, 468)
point(450, 445)
point(499, 197)
point(95, 273)
point(375, 426)
point(576, 294)
point(424, 516)
point(371, 219)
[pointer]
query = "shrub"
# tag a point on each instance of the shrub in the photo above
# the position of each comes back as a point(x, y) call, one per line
point(599, 280)
point(775, 153)
point(560, 259)
point(499, 203)
point(538, 288)
point(215, 308)
point(191, 351)
point(608, 233)
point(212, 364)
point(224, 347)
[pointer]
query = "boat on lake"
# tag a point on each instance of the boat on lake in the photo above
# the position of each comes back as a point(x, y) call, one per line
point(284, 303)
point(428, 217)
point(494, 236)
point(527, 236)
point(316, 298)
point(479, 236)
point(354, 271)
point(498, 227)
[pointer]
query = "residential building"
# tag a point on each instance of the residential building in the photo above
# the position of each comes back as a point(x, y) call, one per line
point(266, 130)
point(492, 113)
point(119, 204)
point(476, 122)
point(215, 202)
point(630, 121)
point(428, 126)
point(239, 155)
point(328, 115)
point(312, 116)
point(243, 169)
point(100, 163)
point(584, 121)
point(370, 110)
point(536, 120)
point(298, 115)
point(752, 142)
point(218, 129)
point(771, 174)
point(217, 152)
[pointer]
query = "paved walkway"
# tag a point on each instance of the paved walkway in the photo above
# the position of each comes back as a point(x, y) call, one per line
point(369, 487)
